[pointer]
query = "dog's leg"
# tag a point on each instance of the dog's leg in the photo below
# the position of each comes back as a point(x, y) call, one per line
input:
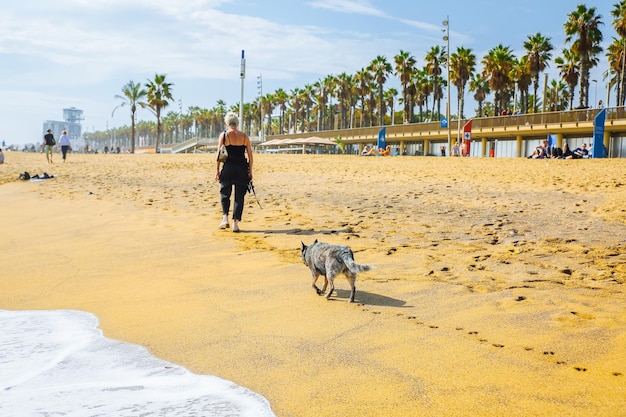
point(323, 290)
point(317, 290)
point(352, 280)
point(331, 282)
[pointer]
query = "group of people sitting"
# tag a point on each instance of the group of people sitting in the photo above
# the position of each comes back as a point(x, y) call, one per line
point(371, 150)
point(554, 152)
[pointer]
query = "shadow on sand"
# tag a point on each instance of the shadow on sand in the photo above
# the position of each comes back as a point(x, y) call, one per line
point(368, 298)
point(298, 231)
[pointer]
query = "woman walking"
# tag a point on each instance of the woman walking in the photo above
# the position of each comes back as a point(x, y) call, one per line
point(64, 140)
point(236, 171)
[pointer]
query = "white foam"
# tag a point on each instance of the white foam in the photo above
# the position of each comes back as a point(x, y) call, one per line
point(57, 363)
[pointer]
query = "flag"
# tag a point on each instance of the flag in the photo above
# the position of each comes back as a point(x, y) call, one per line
point(597, 151)
point(382, 143)
point(467, 130)
point(467, 138)
point(551, 141)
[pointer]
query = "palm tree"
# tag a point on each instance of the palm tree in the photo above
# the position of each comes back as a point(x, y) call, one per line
point(380, 69)
point(159, 92)
point(345, 87)
point(280, 100)
point(267, 105)
point(405, 64)
point(422, 88)
point(363, 79)
point(616, 53)
point(539, 52)
point(520, 73)
point(296, 103)
point(497, 66)
point(308, 96)
point(329, 85)
point(569, 68)
point(558, 96)
point(463, 64)
point(582, 28)
point(318, 89)
point(132, 96)
point(435, 58)
point(480, 86)
point(217, 113)
point(389, 98)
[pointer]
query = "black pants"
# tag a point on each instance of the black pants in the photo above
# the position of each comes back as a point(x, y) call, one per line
point(225, 193)
point(64, 150)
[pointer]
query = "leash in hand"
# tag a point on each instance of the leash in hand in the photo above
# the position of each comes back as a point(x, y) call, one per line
point(251, 190)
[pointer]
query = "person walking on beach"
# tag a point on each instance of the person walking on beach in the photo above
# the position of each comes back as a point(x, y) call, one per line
point(47, 145)
point(64, 140)
point(236, 171)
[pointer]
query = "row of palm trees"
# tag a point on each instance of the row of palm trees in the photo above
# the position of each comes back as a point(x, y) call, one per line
point(361, 99)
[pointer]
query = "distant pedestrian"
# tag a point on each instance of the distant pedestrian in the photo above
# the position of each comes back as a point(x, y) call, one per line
point(47, 146)
point(1, 157)
point(64, 140)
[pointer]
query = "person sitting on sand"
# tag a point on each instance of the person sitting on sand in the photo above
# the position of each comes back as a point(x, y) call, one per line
point(581, 152)
point(540, 151)
point(555, 152)
point(386, 151)
point(368, 151)
point(566, 153)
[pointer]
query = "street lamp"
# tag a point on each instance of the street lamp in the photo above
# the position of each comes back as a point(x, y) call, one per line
point(595, 94)
point(180, 121)
point(446, 38)
point(242, 74)
point(259, 82)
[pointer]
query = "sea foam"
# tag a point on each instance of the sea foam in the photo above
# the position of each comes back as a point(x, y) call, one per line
point(58, 363)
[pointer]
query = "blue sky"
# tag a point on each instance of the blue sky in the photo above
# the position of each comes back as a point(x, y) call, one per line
point(80, 53)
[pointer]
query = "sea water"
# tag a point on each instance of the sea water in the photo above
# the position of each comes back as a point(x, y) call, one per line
point(57, 363)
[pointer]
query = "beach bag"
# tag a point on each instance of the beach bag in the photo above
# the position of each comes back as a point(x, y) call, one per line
point(222, 152)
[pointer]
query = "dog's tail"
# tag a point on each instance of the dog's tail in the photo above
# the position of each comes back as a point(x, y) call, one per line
point(353, 266)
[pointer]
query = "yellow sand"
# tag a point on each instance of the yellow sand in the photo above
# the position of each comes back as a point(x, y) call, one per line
point(499, 287)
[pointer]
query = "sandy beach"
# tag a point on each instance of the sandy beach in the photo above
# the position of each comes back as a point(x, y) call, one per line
point(498, 288)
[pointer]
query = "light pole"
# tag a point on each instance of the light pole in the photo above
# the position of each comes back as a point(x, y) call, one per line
point(595, 94)
point(243, 76)
point(259, 81)
point(446, 38)
point(180, 121)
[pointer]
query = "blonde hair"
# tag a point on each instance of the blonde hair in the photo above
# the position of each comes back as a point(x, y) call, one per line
point(231, 119)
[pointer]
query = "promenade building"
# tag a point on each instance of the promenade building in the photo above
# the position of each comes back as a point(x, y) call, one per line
point(71, 122)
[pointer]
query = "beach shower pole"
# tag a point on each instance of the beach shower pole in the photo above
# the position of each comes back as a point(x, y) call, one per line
point(243, 76)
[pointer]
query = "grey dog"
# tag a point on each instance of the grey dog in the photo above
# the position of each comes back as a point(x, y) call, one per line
point(331, 260)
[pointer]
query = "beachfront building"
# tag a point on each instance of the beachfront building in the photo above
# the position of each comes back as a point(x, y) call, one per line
point(71, 122)
point(506, 136)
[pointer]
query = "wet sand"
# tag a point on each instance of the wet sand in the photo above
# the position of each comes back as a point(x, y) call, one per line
point(498, 286)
